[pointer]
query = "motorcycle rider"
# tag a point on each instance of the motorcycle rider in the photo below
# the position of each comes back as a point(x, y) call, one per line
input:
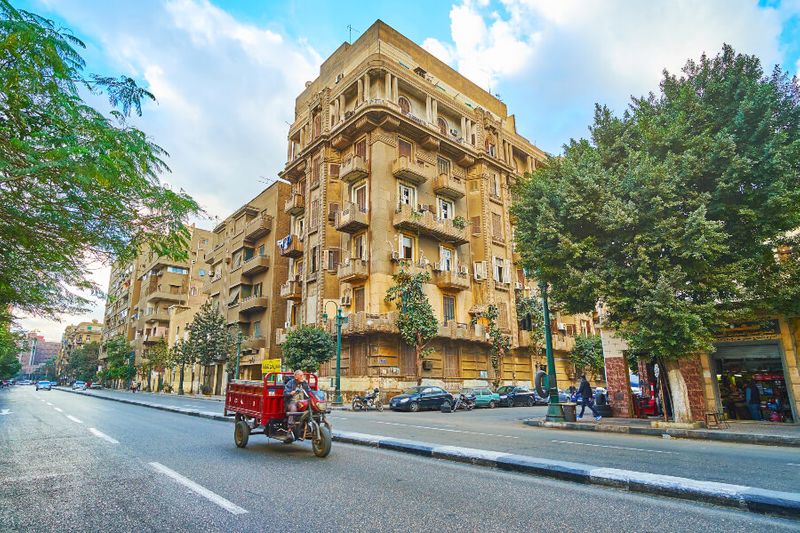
point(291, 395)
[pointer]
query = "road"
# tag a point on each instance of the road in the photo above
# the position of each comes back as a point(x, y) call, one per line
point(78, 463)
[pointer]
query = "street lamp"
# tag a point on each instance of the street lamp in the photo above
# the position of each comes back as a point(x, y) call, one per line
point(238, 352)
point(554, 412)
point(340, 319)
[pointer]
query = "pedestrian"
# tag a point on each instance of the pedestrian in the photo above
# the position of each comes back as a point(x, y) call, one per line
point(752, 398)
point(585, 392)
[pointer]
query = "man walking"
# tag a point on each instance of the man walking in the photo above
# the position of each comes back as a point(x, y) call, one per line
point(585, 392)
point(753, 400)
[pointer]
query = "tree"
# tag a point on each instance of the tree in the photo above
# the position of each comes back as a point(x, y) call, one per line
point(307, 347)
point(48, 370)
point(416, 321)
point(587, 354)
point(157, 358)
point(500, 343)
point(677, 215)
point(11, 343)
point(180, 356)
point(76, 186)
point(531, 315)
point(118, 359)
point(209, 339)
point(82, 362)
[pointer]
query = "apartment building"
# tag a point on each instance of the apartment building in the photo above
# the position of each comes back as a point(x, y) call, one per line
point(122, 298)
point(75, 337)
point(244, 276)
point(398, 162)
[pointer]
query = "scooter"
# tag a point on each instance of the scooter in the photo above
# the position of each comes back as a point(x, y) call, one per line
point(369, 400)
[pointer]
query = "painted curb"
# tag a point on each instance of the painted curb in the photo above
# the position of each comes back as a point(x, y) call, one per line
point(739, 496)
point(698, 434)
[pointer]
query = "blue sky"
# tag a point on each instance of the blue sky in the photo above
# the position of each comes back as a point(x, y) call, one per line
point(226, 72)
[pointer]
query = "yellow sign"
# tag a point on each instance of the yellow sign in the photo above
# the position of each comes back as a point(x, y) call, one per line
point(270, 365)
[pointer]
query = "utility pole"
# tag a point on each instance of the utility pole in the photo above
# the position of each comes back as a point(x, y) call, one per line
point(554, 412)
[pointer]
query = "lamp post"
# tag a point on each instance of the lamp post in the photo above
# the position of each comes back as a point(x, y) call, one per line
point(340, 319)
point(238, 353)
point(554, 412)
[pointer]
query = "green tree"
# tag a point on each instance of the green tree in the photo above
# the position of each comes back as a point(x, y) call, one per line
point(117, 362)
point(306, 348)
point(531, 315)
point(11, 344)
point(157, 357)
point(416, 321)
point(500, 343)
point(76, 186)
point(209, 339)
point(673, 213)
point(48, 370)
point(587, 355)
point(82, 362)
point(181, 355)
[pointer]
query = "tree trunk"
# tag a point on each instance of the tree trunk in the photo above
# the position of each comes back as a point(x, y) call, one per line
point(419, 365)
point(149, 380)
point(180, 382)
point(681, 410)
point(191, 383)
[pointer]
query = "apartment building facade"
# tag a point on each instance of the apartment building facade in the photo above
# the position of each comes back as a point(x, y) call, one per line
point(76, 336)
point(398, 162)
point(122, 299)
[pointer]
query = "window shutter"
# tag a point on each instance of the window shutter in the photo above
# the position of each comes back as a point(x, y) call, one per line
point(494, 262)
point(476, 225)
point(333, 208)
point(325, 256)
point(335, 258)
point(502, 319)
point(507, 271)
point(521, 276)
point(334, 170)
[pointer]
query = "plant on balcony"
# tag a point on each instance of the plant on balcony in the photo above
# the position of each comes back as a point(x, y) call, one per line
point(500, 343)
point(306, 348)
point(587, 355)
point(416, 321)
point(209, 339)
point(459, 222)
point(531, 315)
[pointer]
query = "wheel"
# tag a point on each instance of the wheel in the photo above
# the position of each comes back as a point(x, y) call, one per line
point(357, 405)
point(492, 404)
point(241, 433)
point(531, 402)
point(413, 407)
point(446, 407)
point(322, 445)
point(379, 405)
point(509, 403)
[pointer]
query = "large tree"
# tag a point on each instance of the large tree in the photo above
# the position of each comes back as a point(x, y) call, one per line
point(181, 355)
point(82, 363)
point(11, 344)
point(677, 215)
point(306, 348)
point(157, 357)
point(209, 339)
point(76, 185)
point(118, 359)
point(500, 343)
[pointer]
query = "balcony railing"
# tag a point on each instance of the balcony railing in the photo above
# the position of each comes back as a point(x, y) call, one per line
point(460, 331)
point(362, 323)
point(256, 264)
point(351, 218)
point(253, 304)
point(353, 270)
point(291, 246)
point(452, 279)
point(449, 186)
point(353, 169)
point(426, 223)
point(291, 290)
point(295, 205)
point(416, 173)
point(252, 344)
point(563, 343)
point(258, 227)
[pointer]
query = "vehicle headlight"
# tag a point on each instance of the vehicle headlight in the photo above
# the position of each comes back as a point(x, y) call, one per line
point(403, 400)
point(503, 397)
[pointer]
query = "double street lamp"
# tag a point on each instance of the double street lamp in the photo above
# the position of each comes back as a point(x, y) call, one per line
point(340, 319)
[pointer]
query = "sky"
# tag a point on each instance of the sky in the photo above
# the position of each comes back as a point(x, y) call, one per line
point(226, 73)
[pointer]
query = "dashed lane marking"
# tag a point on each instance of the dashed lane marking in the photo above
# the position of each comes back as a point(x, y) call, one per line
point(793, 464)
point(48, 403)
point(58, 409)
point(613, 447)
point(198, 489)
point(103, 436)
point(74, 419)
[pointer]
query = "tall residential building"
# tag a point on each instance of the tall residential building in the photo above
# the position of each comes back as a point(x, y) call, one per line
point(245, 273)
point(37, 352)
point(397, 161)
point(123, 297)
point(75, 337)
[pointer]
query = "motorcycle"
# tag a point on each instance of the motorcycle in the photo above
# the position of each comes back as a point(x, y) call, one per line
point(309, 423)
point(369, 400)
point(461, 401)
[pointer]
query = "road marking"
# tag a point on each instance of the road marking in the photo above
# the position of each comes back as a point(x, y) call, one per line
point(613, 447)
point(58, 409)
point(103, 436)
point(74, 419)
point(199, 489)
point(793, 464)
point(48, 403)
point(444, 429)
point(5, 412)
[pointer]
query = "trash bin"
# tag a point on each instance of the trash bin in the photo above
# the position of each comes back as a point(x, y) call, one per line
point(568, 409)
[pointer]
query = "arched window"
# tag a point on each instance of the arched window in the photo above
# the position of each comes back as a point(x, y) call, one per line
point(405, 105)
point(442, 123)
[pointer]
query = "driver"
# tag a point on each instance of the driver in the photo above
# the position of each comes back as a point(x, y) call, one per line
point(291, 395)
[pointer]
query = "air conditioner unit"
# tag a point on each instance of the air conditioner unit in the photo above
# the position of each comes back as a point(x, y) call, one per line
point(346, 301)
point(463, 270)
point(287, 325)
point(453, 132)
point(561, 326)
point(339, 77)
point(395, 256)
point(518, 285)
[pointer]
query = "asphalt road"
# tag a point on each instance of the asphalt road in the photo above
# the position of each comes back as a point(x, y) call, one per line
point(501, 429)
point(76, 463)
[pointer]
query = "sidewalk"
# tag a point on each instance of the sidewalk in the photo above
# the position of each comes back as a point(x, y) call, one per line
point(739, 431)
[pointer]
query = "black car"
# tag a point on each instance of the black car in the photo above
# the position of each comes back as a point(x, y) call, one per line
point(511, 396)
point(420, 398)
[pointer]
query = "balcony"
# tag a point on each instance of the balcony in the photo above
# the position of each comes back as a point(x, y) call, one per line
point(258, 227)
point(291, 246)
point(449, 186)
point(176, 296)
point(426, 223)
point(254, 265)
point(353, 270)
point(253, 344)
point(563, 343)
point(524, 340)
point(362, 323)
point(411, 171)
point(253, 304)
point(295, 205)
point(291, 290)
point(460, 331)
point(451, 280)
point(156, 316)
point(154, 338)
point(281, 334)
point(353, 169)
point(351, 218)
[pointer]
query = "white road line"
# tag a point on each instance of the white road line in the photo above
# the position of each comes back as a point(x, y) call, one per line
point(793, 464)
point(58, 409)
point(612, 447)
point(74, 419)
point(199, 489)
point(103, 436)
point(48, 403)
point(444, 429)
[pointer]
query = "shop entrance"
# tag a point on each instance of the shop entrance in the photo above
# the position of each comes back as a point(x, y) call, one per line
point(752, 371)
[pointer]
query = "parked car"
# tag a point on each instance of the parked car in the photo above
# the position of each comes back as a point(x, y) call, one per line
point(511, 396)
point(79, 385)
point(43, 385)
point(95, 386)
point(25, 382)
point(484, 397)
point(420, 398)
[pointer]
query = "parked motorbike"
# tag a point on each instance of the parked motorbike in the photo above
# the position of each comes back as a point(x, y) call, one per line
point(460, 401)
point(371, 400)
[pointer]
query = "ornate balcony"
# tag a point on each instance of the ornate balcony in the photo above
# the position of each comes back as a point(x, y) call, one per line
point(564, 343)
point(253, 304)
point(295, 205)
point(353, 270)
point(292, 290)
point(426, 223)
point(451, 279)
point(293, 249)
point(258, 227)
point(353, 169)
point(416, 173)
point(256, 264)
point(362, 323)
point(460, 331)
point(351, 218)
point(449, 186)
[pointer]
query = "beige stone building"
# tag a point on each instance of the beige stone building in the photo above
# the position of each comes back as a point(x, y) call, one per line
point(122, 299)
point(397, 161)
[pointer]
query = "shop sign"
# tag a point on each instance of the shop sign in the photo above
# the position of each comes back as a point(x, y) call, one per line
point(768, 377)
point(270, 365)
point(756, 330)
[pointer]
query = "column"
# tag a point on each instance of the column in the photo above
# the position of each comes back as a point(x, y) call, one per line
point(367, 96)
point(387, 86)
point(395, 92)
point(428, 113)
point(464, 129)
point(341, 107)
point(434, 111)
point(335, 112)
point(360, 95)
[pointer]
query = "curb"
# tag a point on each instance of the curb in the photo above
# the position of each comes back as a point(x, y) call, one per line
point(739, 496)
point(699, 434)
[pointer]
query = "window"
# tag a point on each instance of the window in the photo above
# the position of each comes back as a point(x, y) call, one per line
point(360, 246)
point(406, 247)
point(256, 289)
point(404, 148)
point(446, 259)
point(177, 270)
point(201, 272)
point(261, 250)
point(360, 149)
point(495, 185)
point(476, 225)
point(316, 127)
point(445, 209)
point(497, 226)
point(314, 214)
point(408, 195)
point(237, 259)
point(490, 146)
point(257, 328)
point(443, 166)
point(358, 297)
point(442, 123)
point(192, 291)
point(405, 105)
point(360, 197)
point(314, 259)
point(333, 259)
point(298, 268)
point(499, 270)
point(248, 253)
point(315, 168)
point(449, 307)
point(300, 226)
